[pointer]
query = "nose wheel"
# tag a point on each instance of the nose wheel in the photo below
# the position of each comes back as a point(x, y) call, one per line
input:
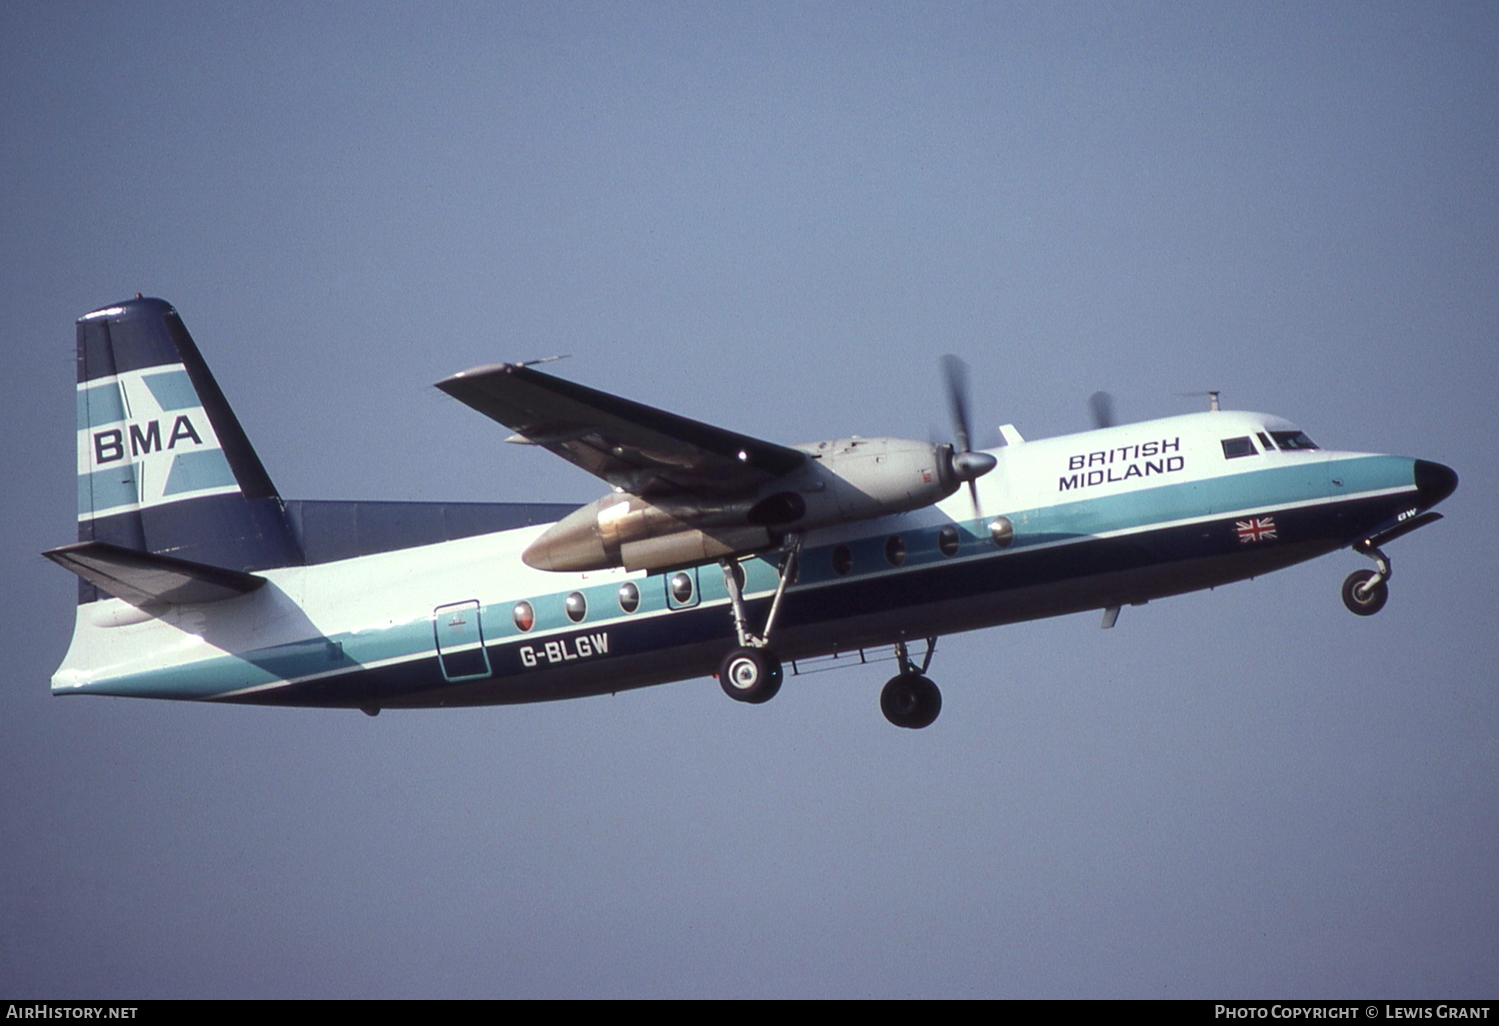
point(1366, 591)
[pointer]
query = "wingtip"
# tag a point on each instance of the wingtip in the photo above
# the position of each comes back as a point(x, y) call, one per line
point(484, 370)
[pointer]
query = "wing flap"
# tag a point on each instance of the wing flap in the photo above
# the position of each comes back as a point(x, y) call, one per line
point(632, 446)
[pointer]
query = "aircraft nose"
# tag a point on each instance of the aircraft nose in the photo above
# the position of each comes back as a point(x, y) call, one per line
point(1434, 482)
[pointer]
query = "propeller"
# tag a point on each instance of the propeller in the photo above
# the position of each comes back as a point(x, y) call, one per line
point(1101, 405)
point(967, 465)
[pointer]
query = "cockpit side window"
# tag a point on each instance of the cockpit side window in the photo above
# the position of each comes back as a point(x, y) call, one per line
point(1233, 448)
point(1265, 442)
point(1292, 440)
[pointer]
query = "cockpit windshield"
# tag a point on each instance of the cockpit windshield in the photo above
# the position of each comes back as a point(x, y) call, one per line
point(1292, 440)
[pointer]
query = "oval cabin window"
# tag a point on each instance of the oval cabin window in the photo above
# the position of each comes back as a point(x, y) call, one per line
point(524, 615)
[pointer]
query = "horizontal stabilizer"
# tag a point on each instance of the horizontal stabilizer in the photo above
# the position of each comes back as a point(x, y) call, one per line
point(145, 579)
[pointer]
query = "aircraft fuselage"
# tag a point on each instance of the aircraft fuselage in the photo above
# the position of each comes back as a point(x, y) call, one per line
point(1099, 519)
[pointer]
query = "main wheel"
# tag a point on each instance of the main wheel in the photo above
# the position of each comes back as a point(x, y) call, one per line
point(1361, 601)
point(911, 700)
point(750, 675)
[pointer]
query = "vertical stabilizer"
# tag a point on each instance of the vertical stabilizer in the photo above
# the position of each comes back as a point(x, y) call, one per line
point(163, 464)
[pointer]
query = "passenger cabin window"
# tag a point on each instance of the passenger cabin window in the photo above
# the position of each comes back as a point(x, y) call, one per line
point(1291, 440)
point(1002, 532)
point(947, 541)
point(1233, 448)
point(524, 616)
point(576, 606)
point(895, 550)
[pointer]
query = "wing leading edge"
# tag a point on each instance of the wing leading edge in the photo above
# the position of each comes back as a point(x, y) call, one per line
point(635, 447)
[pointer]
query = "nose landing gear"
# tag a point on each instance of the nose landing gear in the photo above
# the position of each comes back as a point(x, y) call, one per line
point(1366, 591)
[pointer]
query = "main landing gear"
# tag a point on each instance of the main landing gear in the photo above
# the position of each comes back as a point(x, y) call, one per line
point(910, 699)
point(752, 673)
point(1366, 591)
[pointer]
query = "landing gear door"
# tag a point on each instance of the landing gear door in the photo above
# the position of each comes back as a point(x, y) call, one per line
point(460, 641)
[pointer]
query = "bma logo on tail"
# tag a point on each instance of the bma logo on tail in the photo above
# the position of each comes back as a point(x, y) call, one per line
point(145, 440)
point(109, 445)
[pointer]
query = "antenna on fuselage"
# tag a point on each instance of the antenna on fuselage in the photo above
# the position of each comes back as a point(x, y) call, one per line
point(1212, 398)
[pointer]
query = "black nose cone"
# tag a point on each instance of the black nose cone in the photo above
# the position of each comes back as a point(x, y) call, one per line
point(1434, 482)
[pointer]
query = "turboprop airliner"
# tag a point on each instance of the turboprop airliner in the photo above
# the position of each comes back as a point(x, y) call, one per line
point(711, 553)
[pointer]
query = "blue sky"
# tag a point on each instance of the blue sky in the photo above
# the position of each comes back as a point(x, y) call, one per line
point(775, 218)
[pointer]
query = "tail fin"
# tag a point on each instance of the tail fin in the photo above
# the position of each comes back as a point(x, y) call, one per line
point(163, 464)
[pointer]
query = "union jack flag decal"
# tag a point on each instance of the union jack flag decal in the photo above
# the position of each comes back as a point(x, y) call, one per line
point(1256, 529)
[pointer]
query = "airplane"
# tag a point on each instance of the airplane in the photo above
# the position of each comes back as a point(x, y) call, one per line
point(712, 553)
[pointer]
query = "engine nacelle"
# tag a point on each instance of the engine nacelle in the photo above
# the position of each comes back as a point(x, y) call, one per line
point(844, 480)
point(626, 530)
point(858, 478)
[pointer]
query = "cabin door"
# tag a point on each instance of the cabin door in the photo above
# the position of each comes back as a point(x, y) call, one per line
point(460, 641)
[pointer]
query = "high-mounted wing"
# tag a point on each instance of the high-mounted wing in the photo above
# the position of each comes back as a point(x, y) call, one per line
point(635, 447)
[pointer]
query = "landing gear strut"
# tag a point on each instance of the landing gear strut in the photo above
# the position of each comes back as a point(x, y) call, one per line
point(751, 672)
point(910, 699)
point(1366, 591)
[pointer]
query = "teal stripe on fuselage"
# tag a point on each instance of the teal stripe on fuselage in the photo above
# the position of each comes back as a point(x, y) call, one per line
point(1370, 474)
point(1255, 490)
point(1267, 490)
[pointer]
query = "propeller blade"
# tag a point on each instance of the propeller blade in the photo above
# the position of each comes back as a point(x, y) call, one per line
point(967, 465)
point(956, 372)
point(1101, 404)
